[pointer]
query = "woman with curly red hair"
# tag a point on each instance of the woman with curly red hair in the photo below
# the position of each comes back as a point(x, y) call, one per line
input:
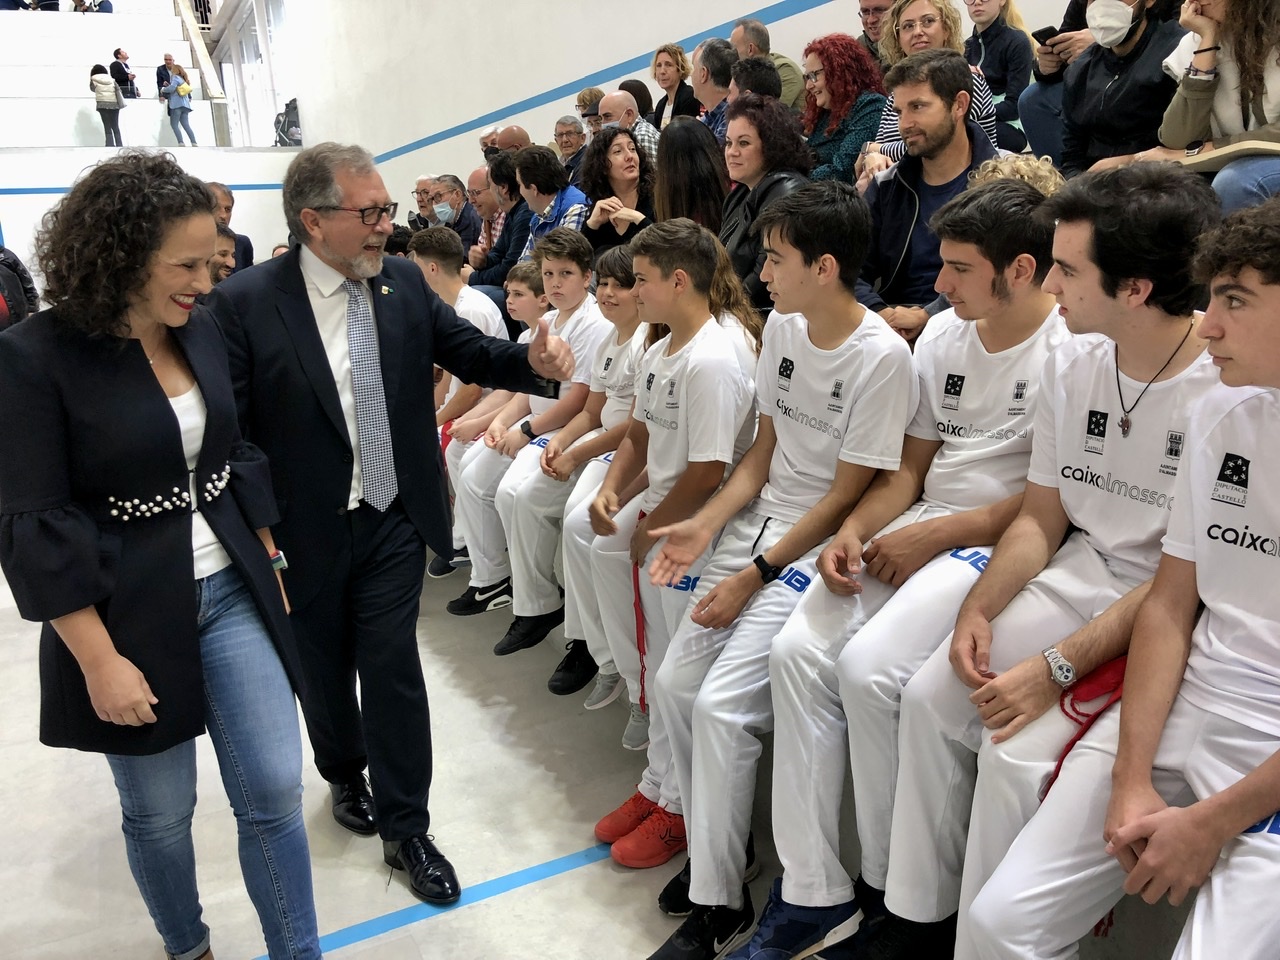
point(844, 98)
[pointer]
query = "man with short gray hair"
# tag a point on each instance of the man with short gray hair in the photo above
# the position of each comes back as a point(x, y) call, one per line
point(751, 39)
point(450, 205)
point(713, 62)
point(571, 141)
point(423, 188)
point(331, 348)
point(620, 107)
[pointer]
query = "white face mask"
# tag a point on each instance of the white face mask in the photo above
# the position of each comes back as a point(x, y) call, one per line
point(1110, 21)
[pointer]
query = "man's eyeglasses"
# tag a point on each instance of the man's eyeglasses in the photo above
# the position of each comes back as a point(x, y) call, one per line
point(561, 134)
point(872, 13)
point(473, 193)
point(813, 75)
point(369, 216)
point(909, 26)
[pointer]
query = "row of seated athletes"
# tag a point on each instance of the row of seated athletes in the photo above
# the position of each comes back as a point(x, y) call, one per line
point(843, 577)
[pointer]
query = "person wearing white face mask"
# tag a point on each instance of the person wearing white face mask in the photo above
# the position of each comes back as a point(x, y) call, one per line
point(448, 199)
point(1115, 93)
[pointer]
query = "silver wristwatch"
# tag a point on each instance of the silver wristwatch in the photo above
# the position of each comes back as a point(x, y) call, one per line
point(1060, 668)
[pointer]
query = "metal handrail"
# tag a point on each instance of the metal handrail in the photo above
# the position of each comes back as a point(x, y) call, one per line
point(191, 26)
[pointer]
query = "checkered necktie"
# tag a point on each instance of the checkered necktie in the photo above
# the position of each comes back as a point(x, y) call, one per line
point(377, 462)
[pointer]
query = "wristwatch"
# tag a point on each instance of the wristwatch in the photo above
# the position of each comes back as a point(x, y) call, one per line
point(278, 562)
point(768, 572)
point(1060, 668)
point(526, 427)
point(1194, 147)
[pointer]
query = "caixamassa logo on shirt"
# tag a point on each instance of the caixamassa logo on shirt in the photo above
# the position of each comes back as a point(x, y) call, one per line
point(1232, 485)
point(1095, 431)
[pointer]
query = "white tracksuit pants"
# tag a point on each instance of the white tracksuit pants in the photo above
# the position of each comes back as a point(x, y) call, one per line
point(940, 731)
point(453, 455)
point(475, 487)
point(810, 664)
point(1057, 879)
point(531, 506)
point(713, 690)
point(581, 602)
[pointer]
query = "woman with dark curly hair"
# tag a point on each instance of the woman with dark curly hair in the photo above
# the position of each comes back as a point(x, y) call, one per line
point(767, 158)
point(691, 179)
point(128, 518)
point(617, 177)
point(844, 97)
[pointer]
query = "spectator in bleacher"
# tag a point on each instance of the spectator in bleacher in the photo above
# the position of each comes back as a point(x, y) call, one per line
point(18, 297)
point(492, 219)
point(671, 70)
point(1001, 48)
point(586, 97)
point(844, 101)
point(225, 205)
point(223, 262)
point(943, 145)
point(621, 108)
point(122, 75)
point(109, 99)
point(1040, 106)
point(618, 177)
point(1115, 94)
point(767, 158)
point(913, 26)
point(178, 92)
point(398, 241)
point(545, 186)
point(571, 141)
point(423, 187)
point(1230, 57)
point(591, 117)
point(279, 249)
point(513, 138)
point(691, 179)
point(164, 73)
point(751, 39)
point(449, 201)
point(491, 272)
point(713, 62)
point(489, 142)
point(872, 14)
point(755, 75)
point(644, 97)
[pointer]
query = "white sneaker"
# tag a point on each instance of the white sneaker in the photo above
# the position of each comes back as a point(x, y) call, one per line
point(636, 736)
point(607, 688)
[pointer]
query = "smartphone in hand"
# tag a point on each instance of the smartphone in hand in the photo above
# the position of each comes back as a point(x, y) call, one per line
point(1044, 35)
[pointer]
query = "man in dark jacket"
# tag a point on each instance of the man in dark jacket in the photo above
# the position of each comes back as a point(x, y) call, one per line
point(872, 13)
point(491, 272)
point(122, 75)
point(942, 149)
point(449, 200)
point(18, 297)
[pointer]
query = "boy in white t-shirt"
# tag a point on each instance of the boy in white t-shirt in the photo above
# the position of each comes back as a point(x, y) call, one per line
point(1110, 430)
point(515, 437)
point(896, 571)
point(692, 420)
point(1177, 791)
point(835, 386)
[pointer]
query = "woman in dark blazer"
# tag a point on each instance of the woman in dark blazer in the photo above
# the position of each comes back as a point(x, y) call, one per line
point(128, 511)
point(671, 70)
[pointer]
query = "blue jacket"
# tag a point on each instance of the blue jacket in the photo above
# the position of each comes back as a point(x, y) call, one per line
point(505, 253)
point(895, 205)
point(557, 216)
point(176, 100)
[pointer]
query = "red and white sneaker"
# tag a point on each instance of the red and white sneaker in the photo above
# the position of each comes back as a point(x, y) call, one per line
point(616, 825)
point(658, 838)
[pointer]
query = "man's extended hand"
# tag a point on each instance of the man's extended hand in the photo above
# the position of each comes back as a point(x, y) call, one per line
point(686, 542)
point(1016, 697)
point(549, 356)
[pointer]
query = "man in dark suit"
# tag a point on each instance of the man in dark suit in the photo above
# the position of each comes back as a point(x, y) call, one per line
point(332, 348)
point(122, 75)
point(226, 204)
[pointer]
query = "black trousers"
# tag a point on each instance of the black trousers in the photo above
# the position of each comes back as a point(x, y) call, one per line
point(363, 623)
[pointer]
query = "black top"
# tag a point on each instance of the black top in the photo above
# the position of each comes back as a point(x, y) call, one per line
point(741, 207)
point(121, 76)
point(1005, 56)
point(687, 104)
point(602, 238)
point(87, 422)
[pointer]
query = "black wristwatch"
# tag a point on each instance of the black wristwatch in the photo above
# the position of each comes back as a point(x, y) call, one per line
point(1194, 148)
point(526, 427)
point(768, 572)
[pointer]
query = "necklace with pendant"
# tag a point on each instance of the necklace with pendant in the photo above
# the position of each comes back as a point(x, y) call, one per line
point(1125, 423)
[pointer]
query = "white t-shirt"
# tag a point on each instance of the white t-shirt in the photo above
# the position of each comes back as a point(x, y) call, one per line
point(1117, 490)
point(981, 407)
point(850, 403)
point(483, 314)
point(1226, 520)
point(696, 404)
point(206, 550)
point(614, 375)
point(582, 331)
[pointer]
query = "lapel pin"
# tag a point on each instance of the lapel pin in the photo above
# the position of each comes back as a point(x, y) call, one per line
point(387, 290)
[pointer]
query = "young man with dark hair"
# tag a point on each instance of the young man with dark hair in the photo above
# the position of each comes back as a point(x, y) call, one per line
point(223, 262)
point(1058, 598)
point(544, 184)
point(226, 202)
point(835, 388)
point(398, 242)
point(1178, 790)
point(750, 38)
point(755, 75)
point(713, 62)
point(932, 91)
point(898, 568)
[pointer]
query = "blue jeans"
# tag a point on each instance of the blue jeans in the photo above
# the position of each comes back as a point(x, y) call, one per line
point(179, 115)
point(1247, 182)
point(1040, 110)
point(250, 713)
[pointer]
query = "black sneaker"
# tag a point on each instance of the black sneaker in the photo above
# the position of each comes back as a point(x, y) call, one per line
point(674, 899)
point(481, 599)
point(440, 567)
point(461, 558)
point(575, 671)
point(709, 933)
point(892, 937)
point(527, 632)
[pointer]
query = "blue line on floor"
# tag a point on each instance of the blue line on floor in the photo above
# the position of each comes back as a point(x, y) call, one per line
point(368, 929)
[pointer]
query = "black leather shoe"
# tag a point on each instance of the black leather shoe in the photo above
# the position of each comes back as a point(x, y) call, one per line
point(526, 632)
point(431, 876)
point(353, 806)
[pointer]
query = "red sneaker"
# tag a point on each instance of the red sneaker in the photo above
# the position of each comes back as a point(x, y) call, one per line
point(616, 825)
point(659, 837)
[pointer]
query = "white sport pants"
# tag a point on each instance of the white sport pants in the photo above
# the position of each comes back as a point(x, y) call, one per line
point(453, 455)
point(475, 487)
point(713, 691)
point(940, 731)
point(1057, 880)
point(582, 619)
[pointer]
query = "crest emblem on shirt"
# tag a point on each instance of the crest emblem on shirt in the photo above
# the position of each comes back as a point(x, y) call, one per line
point(837, 390)
point(1173, 444)
point(1095, 431)
point(648, 382)
point(1232, 485)
point(785, 369)
point(952, 387)
point(608, 362)
point(1019, 391)
point(671, 387)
